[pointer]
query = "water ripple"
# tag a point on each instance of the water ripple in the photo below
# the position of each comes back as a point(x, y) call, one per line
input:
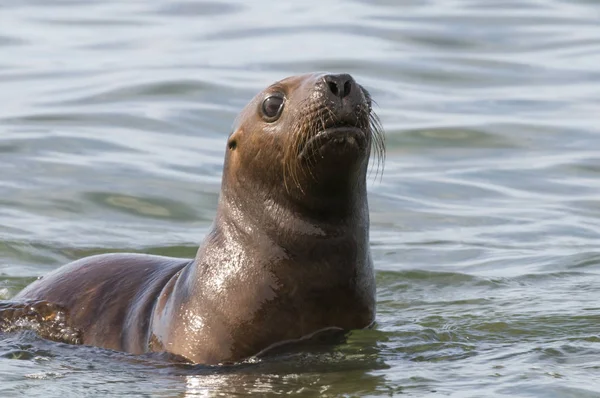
point(484, 227)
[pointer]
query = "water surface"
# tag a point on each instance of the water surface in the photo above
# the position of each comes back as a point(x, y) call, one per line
point(484, 228)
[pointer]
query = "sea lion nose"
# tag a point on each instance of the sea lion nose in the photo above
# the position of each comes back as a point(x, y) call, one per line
point(340, 85)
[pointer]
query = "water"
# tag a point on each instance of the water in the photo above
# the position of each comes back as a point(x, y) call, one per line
point(485, 226)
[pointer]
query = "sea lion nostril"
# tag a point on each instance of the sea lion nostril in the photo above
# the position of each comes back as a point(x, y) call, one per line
point(333, 88)
point(347, 88)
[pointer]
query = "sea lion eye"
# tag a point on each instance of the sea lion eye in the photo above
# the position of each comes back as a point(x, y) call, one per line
point(272, 107)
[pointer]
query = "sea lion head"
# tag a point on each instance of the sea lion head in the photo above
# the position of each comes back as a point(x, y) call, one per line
point(306, 137)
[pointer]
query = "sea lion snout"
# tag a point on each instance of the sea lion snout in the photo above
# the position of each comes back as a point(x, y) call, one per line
point(329, 130)
point(340, 126)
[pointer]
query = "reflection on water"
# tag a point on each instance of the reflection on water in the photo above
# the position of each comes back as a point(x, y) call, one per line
point(484, 227)
point(266, 384)
point(316, 371)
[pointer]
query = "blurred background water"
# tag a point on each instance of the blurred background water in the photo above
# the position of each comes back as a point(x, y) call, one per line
point(485, 226)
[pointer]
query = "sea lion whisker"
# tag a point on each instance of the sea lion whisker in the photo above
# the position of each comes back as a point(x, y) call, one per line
point(378, 142)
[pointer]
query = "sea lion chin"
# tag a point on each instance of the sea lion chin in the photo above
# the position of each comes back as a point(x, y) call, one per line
point(286, 257)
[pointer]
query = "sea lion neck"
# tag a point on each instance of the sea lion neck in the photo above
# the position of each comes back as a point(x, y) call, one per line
point(276, 212)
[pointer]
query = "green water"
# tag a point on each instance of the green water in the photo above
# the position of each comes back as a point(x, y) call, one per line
point(485, 228)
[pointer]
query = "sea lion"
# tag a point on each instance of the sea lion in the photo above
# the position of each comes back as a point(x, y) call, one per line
point(288, 252)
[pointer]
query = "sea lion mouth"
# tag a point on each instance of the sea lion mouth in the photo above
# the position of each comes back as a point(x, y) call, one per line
point(338, 138)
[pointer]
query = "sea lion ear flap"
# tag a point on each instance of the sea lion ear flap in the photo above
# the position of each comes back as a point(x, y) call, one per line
point(232, 141)
point(232, 144)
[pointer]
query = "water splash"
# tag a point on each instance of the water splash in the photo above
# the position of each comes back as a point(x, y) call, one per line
point(48, 320)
